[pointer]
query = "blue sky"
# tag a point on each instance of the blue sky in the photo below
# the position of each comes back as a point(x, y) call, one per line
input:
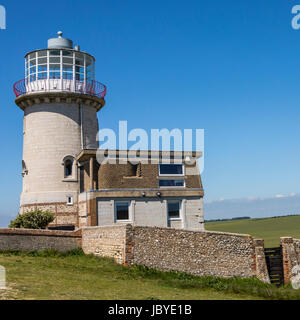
point(230, 67)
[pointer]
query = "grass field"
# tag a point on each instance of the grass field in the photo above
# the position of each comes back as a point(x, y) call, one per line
point(56, 277)
point(269, 229)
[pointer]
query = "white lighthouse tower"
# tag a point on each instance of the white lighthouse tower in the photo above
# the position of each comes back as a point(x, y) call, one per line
point(60, 99)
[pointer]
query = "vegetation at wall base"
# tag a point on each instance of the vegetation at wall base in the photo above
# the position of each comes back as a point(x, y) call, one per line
point(35, 219)
point(73, 275)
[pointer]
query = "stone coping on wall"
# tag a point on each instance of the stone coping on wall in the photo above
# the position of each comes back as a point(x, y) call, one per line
point(34, 232)
point(242, 235)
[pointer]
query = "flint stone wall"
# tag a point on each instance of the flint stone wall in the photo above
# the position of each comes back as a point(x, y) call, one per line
point(291, 256)
point(199, 253)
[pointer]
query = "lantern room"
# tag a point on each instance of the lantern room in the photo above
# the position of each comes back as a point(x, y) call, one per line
point(60, 67)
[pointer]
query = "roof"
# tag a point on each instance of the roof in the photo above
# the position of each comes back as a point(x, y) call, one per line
point(142, 154)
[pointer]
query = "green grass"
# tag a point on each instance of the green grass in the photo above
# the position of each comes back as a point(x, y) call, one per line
point(49, 275)
point(269, 229)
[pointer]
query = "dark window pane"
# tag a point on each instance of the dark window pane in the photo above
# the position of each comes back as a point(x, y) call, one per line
point(54, 53)
point(68, 60)
point(122, 211)
point(67, 53)
point(171, 169)
point(171, 183)
point(42, 61)
point(174, 209)
point(54, 60)
point(68, 168)
point(42, 53)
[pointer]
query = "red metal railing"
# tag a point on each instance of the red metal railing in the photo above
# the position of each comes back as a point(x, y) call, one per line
point(93, 88)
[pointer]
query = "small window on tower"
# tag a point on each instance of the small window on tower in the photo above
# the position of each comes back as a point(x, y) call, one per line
point(68, 164)
point(70, 201)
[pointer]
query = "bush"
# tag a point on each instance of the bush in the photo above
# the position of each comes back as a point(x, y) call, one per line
point(36, 219)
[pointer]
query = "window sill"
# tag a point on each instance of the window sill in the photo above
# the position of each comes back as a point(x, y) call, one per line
point(173, 187)
point(70, 180)
point(133, 177)
point(123, 221)
point(175, 219)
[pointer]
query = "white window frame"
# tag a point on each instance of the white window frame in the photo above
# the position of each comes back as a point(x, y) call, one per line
point(180, 210)
point(129, 211)
point(172, 175)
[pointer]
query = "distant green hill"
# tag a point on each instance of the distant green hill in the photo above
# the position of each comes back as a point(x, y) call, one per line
point(269, 229)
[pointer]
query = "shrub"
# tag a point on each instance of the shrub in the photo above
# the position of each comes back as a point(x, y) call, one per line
point(36, 219)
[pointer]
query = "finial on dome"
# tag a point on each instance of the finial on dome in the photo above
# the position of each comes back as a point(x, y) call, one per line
point(60, 33)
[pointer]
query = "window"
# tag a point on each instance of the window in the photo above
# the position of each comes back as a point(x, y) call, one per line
point(68, 163)
point(122, 211)
point(171, 183)
point(174, 208)
point(69, 200)
point(171, 170)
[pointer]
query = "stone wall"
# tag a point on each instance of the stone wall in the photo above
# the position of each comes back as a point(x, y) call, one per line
point(105, 242)
point(297, 248)
point(21, 239)
point(291, 256)
point(64, 214)
point(197, 253)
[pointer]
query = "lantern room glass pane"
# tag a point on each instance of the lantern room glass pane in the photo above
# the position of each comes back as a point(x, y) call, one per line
point(68, 60)
point(68, 76)
point(32, 70)
point(79, 77)
point(54, 60)
point(54, 67)
point(42, 60)
point(54, 53)
point(42, 67)
point(79, 69)
point(68, 67)
point(42, 75)
point(42, 53)
point(32, 63)
point(54, 75)
point(67, 53)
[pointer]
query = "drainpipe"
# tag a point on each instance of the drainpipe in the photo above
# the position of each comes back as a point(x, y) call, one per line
point(81, 127)
point(86, 208)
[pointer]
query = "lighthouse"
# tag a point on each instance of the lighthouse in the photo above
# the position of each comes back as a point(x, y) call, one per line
point(60, 99)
